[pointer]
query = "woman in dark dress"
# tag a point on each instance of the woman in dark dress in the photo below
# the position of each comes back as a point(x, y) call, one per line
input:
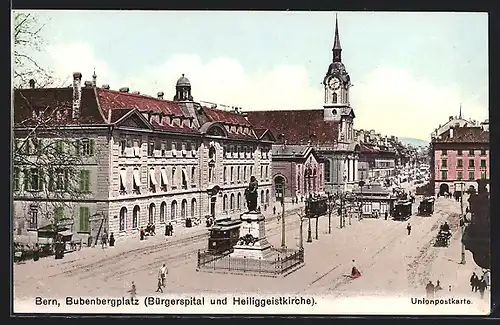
point(36, 253)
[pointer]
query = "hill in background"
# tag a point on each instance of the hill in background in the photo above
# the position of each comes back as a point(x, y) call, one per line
point(414, 142)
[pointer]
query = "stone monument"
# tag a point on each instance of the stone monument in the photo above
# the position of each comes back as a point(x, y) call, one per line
point(252, 243)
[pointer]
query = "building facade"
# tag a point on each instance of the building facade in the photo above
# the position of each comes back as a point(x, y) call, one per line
point(144, 159)
point(453, 121)
point(378, 162)
point(330, 131)
point(375, 200)
point(298, 170)
point(459, 156)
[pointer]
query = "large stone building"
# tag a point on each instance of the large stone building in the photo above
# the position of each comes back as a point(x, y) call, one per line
point(301, 168)
point(330, 131)
point(144, 159)
point(459, 155)
point(453, 121)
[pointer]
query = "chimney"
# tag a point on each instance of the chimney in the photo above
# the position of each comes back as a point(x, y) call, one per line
point(160, 94)
point(136, 92)
point(88, 84)
point(77, 94)
point(124, 90)
point(105, 86)
point(32, 83)
point(451, 132)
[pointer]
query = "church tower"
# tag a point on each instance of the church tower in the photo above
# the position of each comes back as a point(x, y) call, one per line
point(336, 85)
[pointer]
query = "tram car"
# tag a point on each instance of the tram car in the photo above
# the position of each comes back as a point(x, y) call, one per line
point(426, 207)
point(224, 235)
point(402, 210)
point(317, 206)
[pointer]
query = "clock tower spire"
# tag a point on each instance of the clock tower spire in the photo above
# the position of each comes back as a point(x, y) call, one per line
point(337, 49)
point(336, 84)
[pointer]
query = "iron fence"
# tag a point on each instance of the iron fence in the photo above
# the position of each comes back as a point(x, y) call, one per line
point(279, 262)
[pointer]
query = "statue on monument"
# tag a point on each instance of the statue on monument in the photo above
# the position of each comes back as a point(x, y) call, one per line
point(251, 194)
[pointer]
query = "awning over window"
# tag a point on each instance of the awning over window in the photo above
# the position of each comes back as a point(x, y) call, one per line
point(137, 177)
point(164, 176)
point(153, 178)
point(123, 177)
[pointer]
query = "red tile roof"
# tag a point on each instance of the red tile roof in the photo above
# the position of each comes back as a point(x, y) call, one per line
point(465, 135)
point(297, 126)
point(217, 115)
point(111, 99)
point(50, 100)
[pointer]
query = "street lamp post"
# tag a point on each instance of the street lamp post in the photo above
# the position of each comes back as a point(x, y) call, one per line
point(283, 239)
point(301, 237)
point(309, 237)
point(462, 223)
point(329, 213)
point(316, 236)
point(361, 184)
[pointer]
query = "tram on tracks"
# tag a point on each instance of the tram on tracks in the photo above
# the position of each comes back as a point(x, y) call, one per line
point(223, 235)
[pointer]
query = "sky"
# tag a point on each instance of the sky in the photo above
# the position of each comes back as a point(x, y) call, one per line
point(410, 71)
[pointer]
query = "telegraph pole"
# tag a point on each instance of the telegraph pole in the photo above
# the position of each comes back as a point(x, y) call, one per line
point(329, 213)
point(301, 238)
point(462, 224)
point(283, 239)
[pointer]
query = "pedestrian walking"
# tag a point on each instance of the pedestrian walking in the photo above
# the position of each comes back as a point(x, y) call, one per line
point(142, 233)
point(486, 275)
point(163, 274)
point(482, 287)
point(104, 239)
point(437, 287)
point(111, 240)
point(274, 210)
point(408, 228)
point(473, 282)
point(386, 215)
point(159, 286)
point(133, 290)
point(429, 288)
point(36, 253)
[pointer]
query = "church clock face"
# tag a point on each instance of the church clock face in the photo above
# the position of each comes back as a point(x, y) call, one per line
point(334, 83)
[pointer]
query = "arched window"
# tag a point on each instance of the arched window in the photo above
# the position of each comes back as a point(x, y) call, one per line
point(163, 210)
point(152, 212)
point(123, 217)
point(231, 174)
point(327, 170)
point(262, 197)
point(334, 98)
point(224, 203)
point(225, 174)
point(244, 173)
point(193, 208)
point(231, 202)
point(211, 153)
point(238, 174)
point(267, 197)
point(184, 205)
point(173, 210)
point(135, 216)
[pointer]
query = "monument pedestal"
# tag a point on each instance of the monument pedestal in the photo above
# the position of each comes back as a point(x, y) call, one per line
point(253, 243)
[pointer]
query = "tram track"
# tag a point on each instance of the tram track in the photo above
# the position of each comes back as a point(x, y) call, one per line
point(343, 279)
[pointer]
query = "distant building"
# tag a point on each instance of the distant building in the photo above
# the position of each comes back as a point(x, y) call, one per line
point(461, 154)
point(453, 121)
point(376, 199)
point(298, 169)
point(376, 162)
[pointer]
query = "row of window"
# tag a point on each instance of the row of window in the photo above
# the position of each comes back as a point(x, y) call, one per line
point(33, 146)
point(125, 223)
point(444, 163)
point(59, 179)
point(460, 175)
point(241, 173)
point(158, 148)
point(471, 152)
point(83, 224)
point(153, 183)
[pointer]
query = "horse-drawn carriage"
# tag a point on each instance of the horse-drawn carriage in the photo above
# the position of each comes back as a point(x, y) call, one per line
point(426, 207)
point(402, 210)
point(443, 238)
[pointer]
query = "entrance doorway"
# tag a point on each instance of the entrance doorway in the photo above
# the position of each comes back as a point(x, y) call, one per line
point(444, 188)
point(213, 200)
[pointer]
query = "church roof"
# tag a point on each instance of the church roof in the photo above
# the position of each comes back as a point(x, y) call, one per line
point(296, 126)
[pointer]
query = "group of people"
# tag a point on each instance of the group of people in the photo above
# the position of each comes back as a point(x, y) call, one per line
point(480, 284)
point(162, 276)
point(105, 241)
point(432, 289)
